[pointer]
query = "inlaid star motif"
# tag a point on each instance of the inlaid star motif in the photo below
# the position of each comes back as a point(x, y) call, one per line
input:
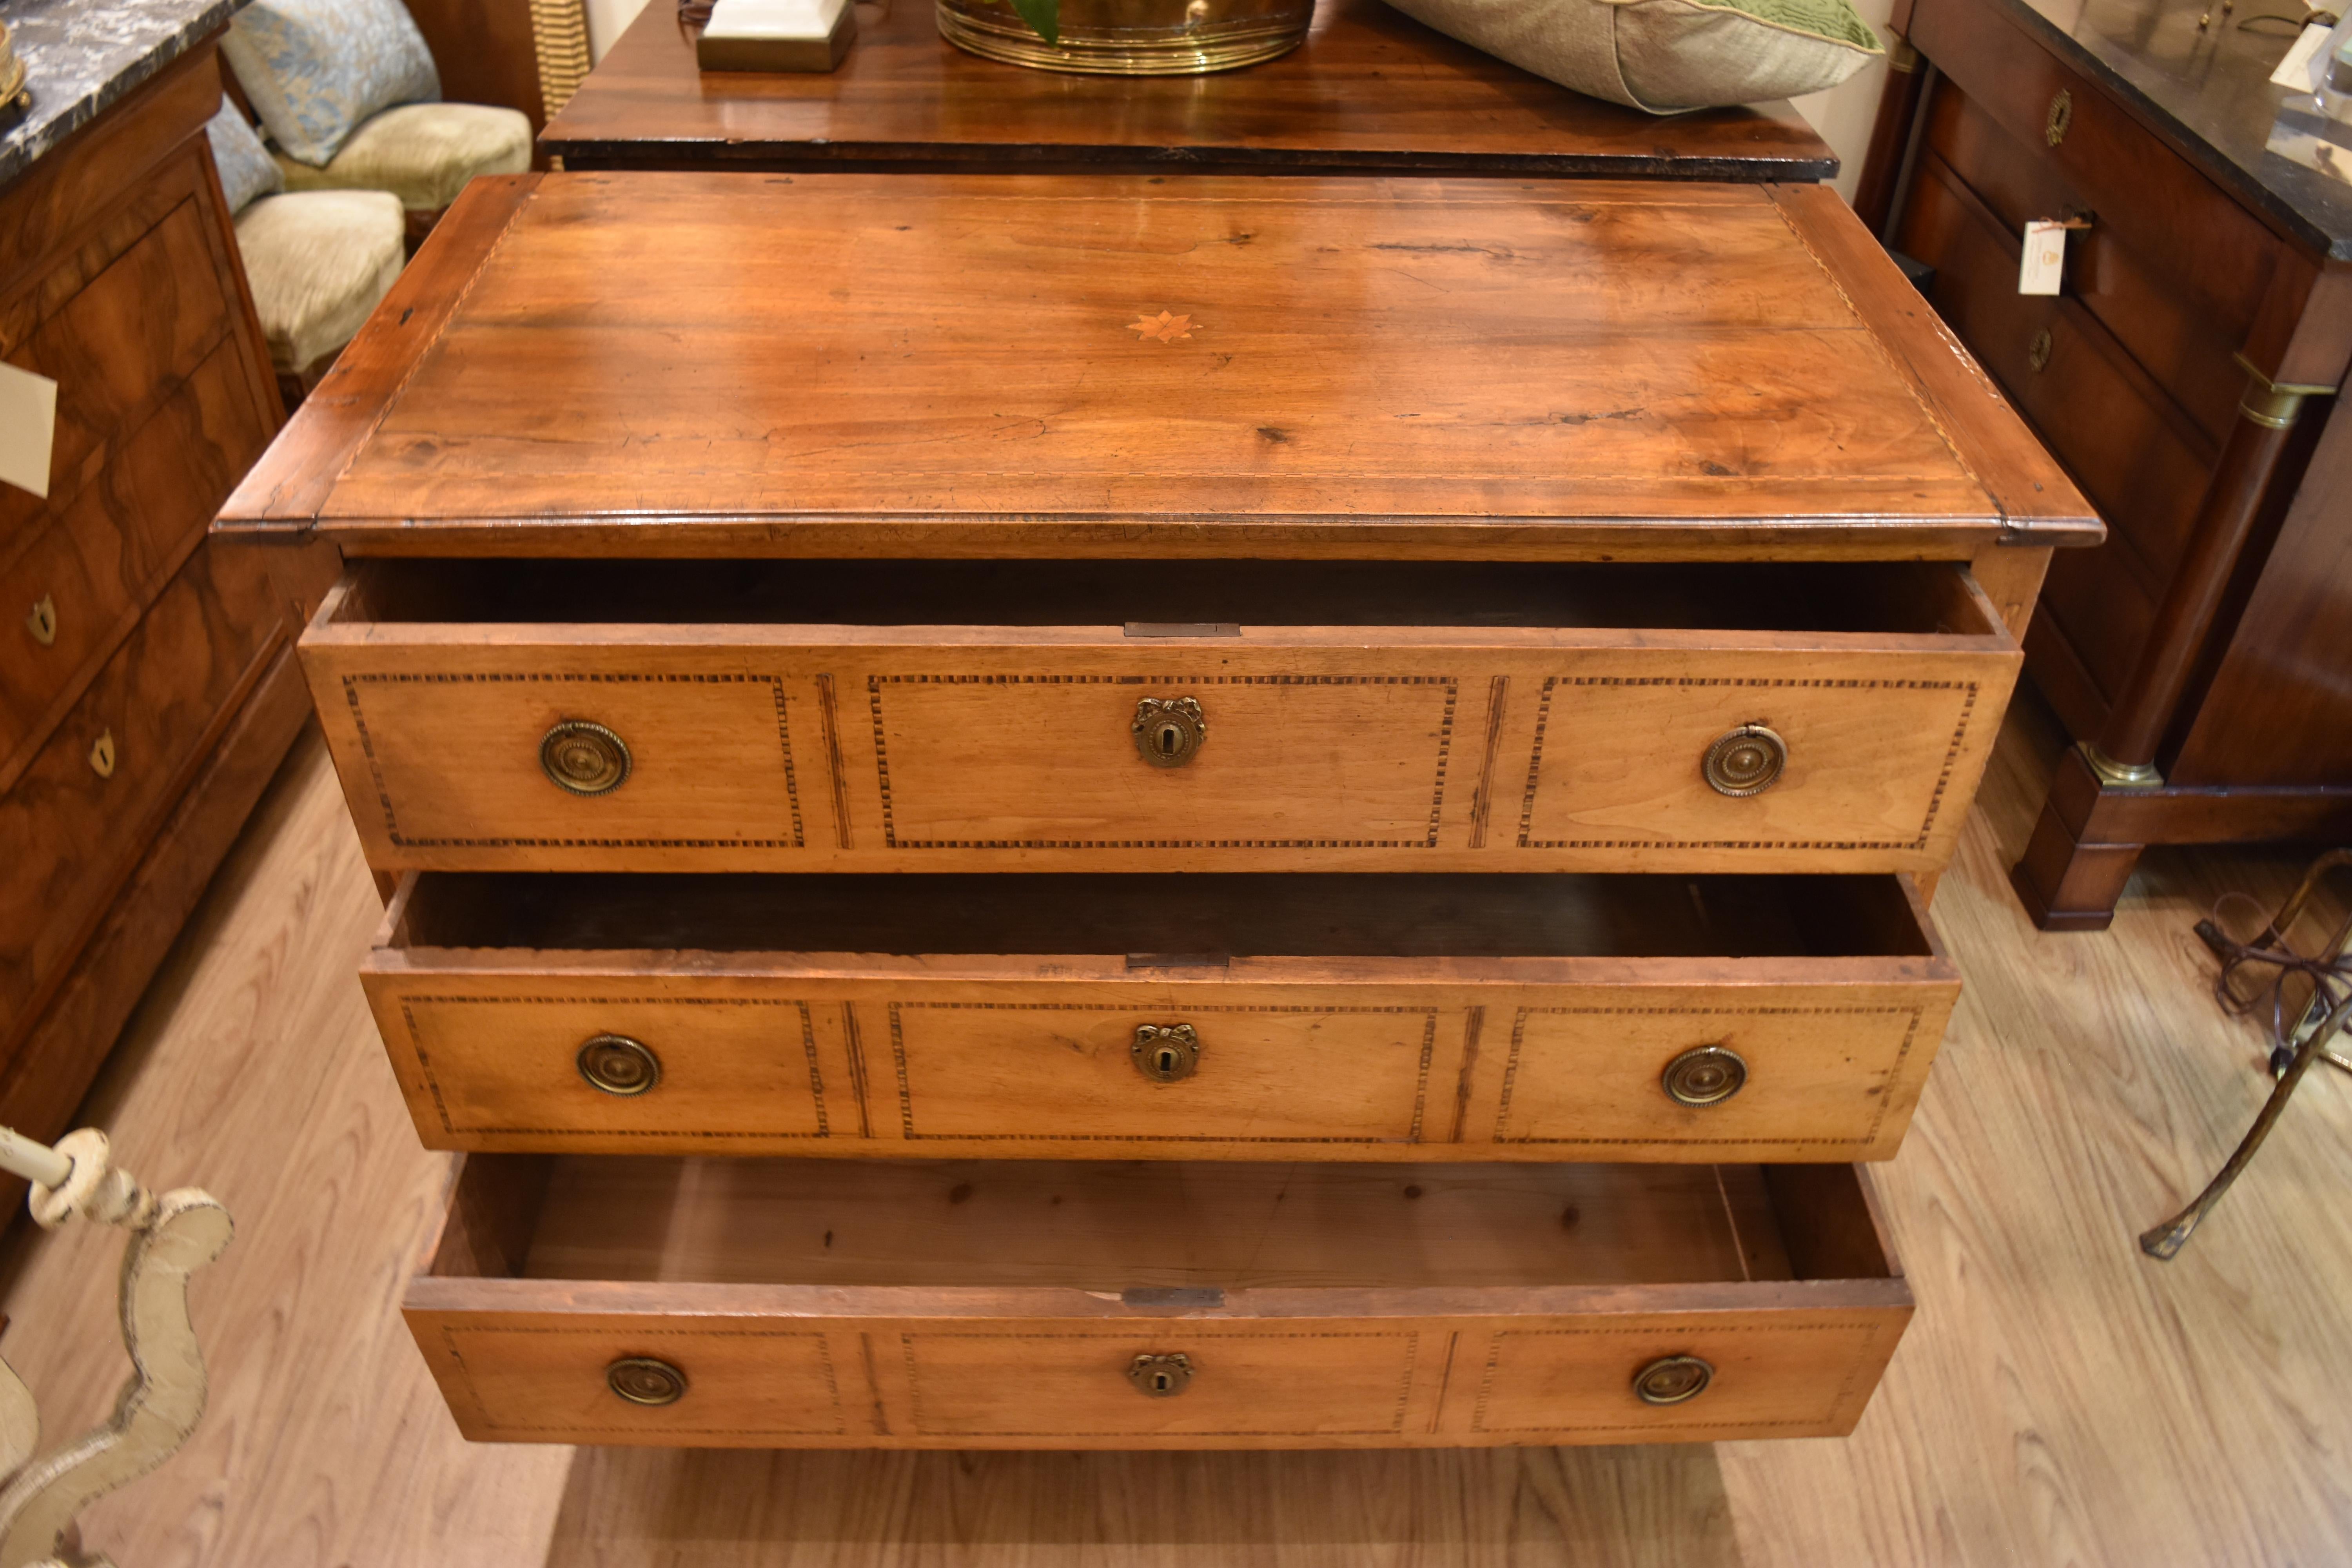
point(1163, 326)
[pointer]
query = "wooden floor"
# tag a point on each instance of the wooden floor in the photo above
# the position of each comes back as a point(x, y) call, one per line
point(2060, 1399)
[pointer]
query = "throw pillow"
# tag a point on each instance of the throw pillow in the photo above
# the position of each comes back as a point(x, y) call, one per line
point(315, 68)
point(247, 169)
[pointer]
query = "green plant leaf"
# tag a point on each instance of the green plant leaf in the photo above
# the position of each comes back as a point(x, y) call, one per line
point(1044, 15)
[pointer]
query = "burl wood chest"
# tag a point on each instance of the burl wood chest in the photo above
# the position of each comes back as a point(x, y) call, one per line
point(1047, 812)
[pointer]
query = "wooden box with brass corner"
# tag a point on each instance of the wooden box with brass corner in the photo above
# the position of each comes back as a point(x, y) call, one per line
point(1029, 883)
point(171, 1236)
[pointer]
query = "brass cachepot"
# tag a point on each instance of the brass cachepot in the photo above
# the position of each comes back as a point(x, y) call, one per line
point(1133, 38)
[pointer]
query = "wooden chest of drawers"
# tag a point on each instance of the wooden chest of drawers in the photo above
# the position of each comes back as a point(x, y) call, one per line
point(1098, 813)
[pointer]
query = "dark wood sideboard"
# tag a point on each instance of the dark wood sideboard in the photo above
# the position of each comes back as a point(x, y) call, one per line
point(1369, 91)
point(148, 689)
point(2202, 658)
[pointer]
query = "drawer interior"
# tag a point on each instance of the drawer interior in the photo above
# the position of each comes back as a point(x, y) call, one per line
point(1181, 597)
point(1428, 915)
point(1129, 1226)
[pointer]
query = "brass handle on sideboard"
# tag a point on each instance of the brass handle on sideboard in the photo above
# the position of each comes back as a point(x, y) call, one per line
point(584, 757)
point(2061, 118)
point(1161, 1376)
point(1704, 1076)
point(642, 1380)
point(1746, 761)
point(1168, 731)
point(619, 1065)
point(1165, 1053)
point(1672, 1380)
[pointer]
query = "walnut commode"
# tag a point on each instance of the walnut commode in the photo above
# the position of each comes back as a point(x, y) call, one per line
point(967, 876)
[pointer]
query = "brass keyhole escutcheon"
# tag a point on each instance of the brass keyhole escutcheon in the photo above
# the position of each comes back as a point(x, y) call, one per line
point(1166, 1052)
point(1162, 1376)
point(2061, 117)
point(1168, 731)
point(1672, 1380)
point(1708, 1075)
point(642, 1380)
point(43, 621)
point(584, 758)
point(619, 1065)
point(2037, 353)
point(1746, 761)
point(102, 754)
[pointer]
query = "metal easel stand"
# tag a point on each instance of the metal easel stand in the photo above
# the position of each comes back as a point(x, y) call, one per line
point(2300, 1041)
point(172, 1237)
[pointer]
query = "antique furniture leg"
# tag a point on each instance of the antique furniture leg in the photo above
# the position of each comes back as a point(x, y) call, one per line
point(172, 1236)
point(2074, 870)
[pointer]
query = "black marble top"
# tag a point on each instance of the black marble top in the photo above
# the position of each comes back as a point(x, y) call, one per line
point(2210, 91)
point(80, 55)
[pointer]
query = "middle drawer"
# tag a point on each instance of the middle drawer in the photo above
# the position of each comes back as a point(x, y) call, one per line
point(1180, 716)
point(1200, 1016)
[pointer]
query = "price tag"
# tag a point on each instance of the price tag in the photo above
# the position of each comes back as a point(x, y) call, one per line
point(2043, 266)
point(28, 422)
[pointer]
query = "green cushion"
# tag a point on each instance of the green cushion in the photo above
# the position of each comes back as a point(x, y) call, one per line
point(318, 262)
point(422, 153)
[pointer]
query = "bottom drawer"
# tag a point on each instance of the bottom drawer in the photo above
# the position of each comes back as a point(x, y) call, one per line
point(1040, 1305)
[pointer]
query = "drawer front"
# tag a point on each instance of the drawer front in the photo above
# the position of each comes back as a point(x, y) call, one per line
point(71, 586)
point(571, 1060)
point(76, 816)
point(2217, 256)
point(780, 749)
point(1041, 1383)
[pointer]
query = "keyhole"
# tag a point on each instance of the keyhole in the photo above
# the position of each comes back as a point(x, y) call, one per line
point(1160, 1382)
point(1168, 740)
point(1167, 1063)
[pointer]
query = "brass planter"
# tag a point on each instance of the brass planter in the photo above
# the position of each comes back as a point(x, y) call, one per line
point(1133, 38)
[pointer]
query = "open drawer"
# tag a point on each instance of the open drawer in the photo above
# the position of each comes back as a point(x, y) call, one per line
point(760, 1303)
point(1204, 1016)
point(1129, 716)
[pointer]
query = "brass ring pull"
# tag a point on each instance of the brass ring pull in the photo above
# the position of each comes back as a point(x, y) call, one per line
point(642, 1380)
point(584, 758)
point(1672, 1380)
point(2037, 353)
point(1168, 731)
point(42, 622)
point(1746, 761)
point(1162, 1376)
point(1165, 1053)
point(618, 1065)
point(1707, 1075)
point(2061, 117)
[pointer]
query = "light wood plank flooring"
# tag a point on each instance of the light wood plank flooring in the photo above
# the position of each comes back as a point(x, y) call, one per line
point(2060, 1399)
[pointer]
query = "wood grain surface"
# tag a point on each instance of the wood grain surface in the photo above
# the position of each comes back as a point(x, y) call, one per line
point(1120, 366)
point(1371, 88)
point(2059, 1399)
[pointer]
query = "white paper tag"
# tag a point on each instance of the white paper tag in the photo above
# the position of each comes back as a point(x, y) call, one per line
point(2043, 265)
point(28, 423)
point(2294, 72)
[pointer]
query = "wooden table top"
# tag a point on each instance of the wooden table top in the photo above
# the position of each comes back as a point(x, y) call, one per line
point(1370, 90)
point(865, 364)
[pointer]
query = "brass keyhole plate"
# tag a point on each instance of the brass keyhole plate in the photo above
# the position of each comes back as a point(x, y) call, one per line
point(42, 622)
point(619, 1065)
point(1161, 1376)
point(642, 1380)
point(1168, 731)
point(1672, 1380)
point(1746, 761)
point(1166, 1052)
point(2037, 353)
point(584, 758)
point(102, 754)
point(1708, 1074)
point(2060, 118)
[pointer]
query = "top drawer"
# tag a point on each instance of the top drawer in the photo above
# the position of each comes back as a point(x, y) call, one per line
point(1122, 716)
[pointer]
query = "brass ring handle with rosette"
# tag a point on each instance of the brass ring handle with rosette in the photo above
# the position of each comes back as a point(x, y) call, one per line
point(1672, 1380)
point(1747, 761)
point(1168, 731)
point(1163, 1375)
point(1704, 1076)
point(584, 758)
point(642, 1380)
point(619, 1066)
